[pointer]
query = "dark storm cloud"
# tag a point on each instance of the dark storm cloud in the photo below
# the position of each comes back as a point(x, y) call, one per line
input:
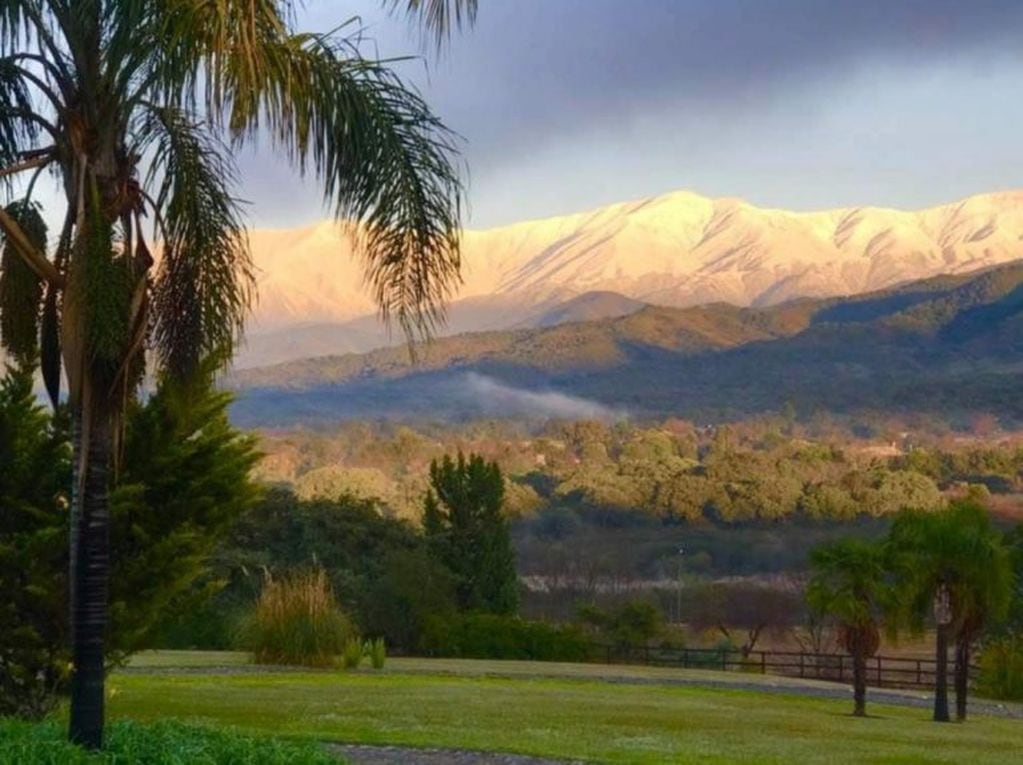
point(567, 104)
point(534, 68)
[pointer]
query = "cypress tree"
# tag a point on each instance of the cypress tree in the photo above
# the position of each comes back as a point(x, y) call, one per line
point(467, 531)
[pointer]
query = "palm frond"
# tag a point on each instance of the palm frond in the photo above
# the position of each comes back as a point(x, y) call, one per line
point(438, 17)
point(204, 284)
point(384, 160)
point(18, 131)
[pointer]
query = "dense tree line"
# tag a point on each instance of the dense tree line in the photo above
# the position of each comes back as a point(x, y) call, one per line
point(770, 468)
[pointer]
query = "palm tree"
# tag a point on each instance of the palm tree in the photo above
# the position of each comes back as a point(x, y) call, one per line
point(953, 564)
point(848, 583)
point(133, 106)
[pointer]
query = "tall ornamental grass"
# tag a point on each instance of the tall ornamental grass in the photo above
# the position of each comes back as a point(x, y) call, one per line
point(297, 622)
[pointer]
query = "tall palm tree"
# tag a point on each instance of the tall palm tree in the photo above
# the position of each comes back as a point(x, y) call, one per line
point(951, 561)
point(848, 583)
point(133, 107)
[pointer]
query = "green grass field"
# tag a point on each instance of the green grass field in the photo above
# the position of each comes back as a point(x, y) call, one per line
point(458, 704)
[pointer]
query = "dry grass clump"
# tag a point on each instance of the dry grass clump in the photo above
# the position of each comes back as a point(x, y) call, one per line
point(297, 622)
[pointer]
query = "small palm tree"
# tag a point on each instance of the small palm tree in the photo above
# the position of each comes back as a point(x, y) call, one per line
point(953, 565)
point(128, 104)
point(848, 584)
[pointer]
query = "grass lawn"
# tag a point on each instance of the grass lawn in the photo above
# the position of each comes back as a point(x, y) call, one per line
point(565, 716)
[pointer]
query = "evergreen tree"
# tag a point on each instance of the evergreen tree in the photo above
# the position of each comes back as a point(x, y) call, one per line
point(35, 471)
point(467, 531)
point(185, 478)
point(184, 482)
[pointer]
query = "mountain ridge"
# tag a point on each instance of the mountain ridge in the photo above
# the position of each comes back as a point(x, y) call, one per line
point(677, 249)
point(951, 343)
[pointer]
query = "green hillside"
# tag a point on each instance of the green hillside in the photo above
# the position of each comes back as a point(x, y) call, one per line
point(949, 343)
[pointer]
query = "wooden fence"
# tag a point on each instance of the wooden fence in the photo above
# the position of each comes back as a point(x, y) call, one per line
point(882, 671)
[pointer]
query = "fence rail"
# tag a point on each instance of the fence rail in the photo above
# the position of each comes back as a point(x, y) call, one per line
point(882, 671)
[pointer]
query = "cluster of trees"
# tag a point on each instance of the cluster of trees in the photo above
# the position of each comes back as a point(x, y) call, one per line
point(770, 468)
point(948, 567)
point(195, 540)
point(399, 581)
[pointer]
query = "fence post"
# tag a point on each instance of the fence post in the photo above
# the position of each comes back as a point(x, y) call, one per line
point(685, 658)
point(880, 684)
point(801, 668)
point(763, 662)
point(724, 660)
point(840, 667)
point(919, 680)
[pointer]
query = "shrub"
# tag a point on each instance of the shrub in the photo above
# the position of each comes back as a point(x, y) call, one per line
point(631, 625)
point(163, 743)
point(296, 621)
point(352, 655)
point(376, 650)
point(1001, 669)
point(490, 636)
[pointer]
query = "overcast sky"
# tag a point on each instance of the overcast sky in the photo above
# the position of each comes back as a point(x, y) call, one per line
point(570, 104)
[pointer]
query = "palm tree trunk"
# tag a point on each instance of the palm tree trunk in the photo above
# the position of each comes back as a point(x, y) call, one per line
point(941, 675)
point(859, 684)
point(962, 676)
point(90, 567)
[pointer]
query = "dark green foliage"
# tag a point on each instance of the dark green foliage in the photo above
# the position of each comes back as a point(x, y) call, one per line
point(101, 278)
point(378, 568)
point(21, 289)
point(849, 585)
point(376, 652)
point(493, 636)
point(184, 479)
point(411, 589)
point(163, 743)
point(35, 471)
point(953, 557)
point(1001, 669)
point(633, 624)
point(1001, 659)
point(1014, 619)
point(467, 531)
point(956, 548)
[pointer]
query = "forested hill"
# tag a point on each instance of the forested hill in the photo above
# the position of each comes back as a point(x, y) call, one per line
point(946, 344)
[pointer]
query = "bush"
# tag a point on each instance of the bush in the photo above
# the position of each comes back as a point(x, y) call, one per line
point(351, 657)
point(631, 625)
point(296, 621)
point(163, 743)
point(1001, 669)
point(376, 650)
point(490, 636)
